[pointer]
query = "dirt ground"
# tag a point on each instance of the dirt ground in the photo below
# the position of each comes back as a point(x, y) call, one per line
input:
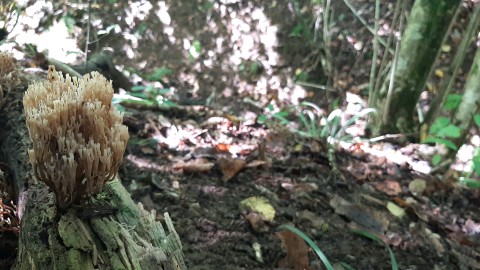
point(184, 161)
point(297, 180)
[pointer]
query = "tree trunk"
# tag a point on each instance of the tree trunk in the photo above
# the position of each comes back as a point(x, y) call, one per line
point(108, 231)
point(470, 104)
point(428, 24)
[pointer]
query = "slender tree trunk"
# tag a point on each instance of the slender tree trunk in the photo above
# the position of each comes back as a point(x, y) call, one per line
point(470, 104)
point(108, 231)
point(428, 24)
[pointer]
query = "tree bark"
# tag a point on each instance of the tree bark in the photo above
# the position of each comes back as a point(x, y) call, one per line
point(108, 231)
point(428, 24)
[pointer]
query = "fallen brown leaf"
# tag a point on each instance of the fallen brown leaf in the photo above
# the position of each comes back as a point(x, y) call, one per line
point(230, 167)
point(297, 251)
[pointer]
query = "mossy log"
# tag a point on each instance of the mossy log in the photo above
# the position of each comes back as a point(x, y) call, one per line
point(107, 231)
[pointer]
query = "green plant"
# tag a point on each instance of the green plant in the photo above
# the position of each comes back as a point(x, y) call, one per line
point(312, 123)
point(159, 74)
point(442, 132)
point(151, 96)
point(148, 96)
point(195, 50)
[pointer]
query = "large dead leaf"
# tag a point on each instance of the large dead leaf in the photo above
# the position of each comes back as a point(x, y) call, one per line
point(297, 251)
point(230, 167)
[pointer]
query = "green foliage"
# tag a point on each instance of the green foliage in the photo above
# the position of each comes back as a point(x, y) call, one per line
point(197, 45)
point(251, 68)
point(69, 22)
point(476, 163)
point(300, 75)
point(302, 28)
point(207, 6)
point(452, 102)
point(153, 95)
point(195, 50)
point(442, 132)
point(310, 123)
point(107, 30)
point(280, 116)
point(141, 28)
point(470, 183)
point(158, 74)
point(436, 159)
point(476, 119)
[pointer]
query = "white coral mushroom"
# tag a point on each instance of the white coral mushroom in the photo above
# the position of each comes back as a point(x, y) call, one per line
point(77, 134)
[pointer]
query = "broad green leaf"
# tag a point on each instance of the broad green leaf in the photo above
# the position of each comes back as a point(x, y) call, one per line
point(450, 131)
point(436, 159)
point(297, 31)
point(282, 113)
point(137, 88)
point(439, 123)
point(163, 91)
point(168, 103)
point(476, 119)
point(446, 142)
point(197, 45)
point(140, 95)
point(452, 102)
point(281, 116)
point(69, 21)
point(120, 108)
point(471, 183)
point(476, 164)
point(262, 119)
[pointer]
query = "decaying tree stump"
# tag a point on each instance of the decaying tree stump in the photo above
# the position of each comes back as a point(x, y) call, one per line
point(106, 231)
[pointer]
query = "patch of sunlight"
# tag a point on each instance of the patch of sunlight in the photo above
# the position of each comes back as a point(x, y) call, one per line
point(55, 40)
point(166, 19)
point(138, 12)
point(255, 38)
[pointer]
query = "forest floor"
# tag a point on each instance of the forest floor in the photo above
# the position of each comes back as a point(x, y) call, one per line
point(200, 160)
